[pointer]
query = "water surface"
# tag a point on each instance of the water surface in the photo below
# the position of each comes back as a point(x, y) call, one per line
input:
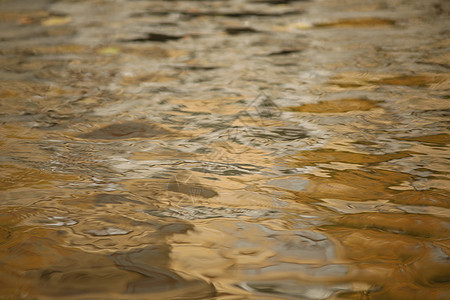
point(224, 149)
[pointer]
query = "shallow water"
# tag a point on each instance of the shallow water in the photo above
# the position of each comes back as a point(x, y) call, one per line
point(224, 149)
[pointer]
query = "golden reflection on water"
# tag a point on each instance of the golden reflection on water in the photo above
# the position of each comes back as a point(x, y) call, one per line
point(254, 156)
point(359, 22)
point(336, 106)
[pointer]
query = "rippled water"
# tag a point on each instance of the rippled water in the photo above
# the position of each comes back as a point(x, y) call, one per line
point(257, 149)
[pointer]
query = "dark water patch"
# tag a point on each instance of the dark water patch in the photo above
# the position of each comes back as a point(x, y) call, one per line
point(443, 279)
point(155, 37)
point(228, 14)
point(125, 130)
point(240, 30)
point(284, 52)
point(195, 68)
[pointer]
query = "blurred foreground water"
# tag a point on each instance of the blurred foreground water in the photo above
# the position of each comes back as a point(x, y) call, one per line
point(258, 149)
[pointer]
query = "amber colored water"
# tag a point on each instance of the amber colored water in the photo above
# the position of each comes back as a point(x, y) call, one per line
point(241, 149)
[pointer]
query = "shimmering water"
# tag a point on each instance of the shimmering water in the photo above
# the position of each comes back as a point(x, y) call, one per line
point(224, 149)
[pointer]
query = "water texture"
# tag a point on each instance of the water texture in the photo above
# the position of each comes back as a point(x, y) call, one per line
point(241, 149)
